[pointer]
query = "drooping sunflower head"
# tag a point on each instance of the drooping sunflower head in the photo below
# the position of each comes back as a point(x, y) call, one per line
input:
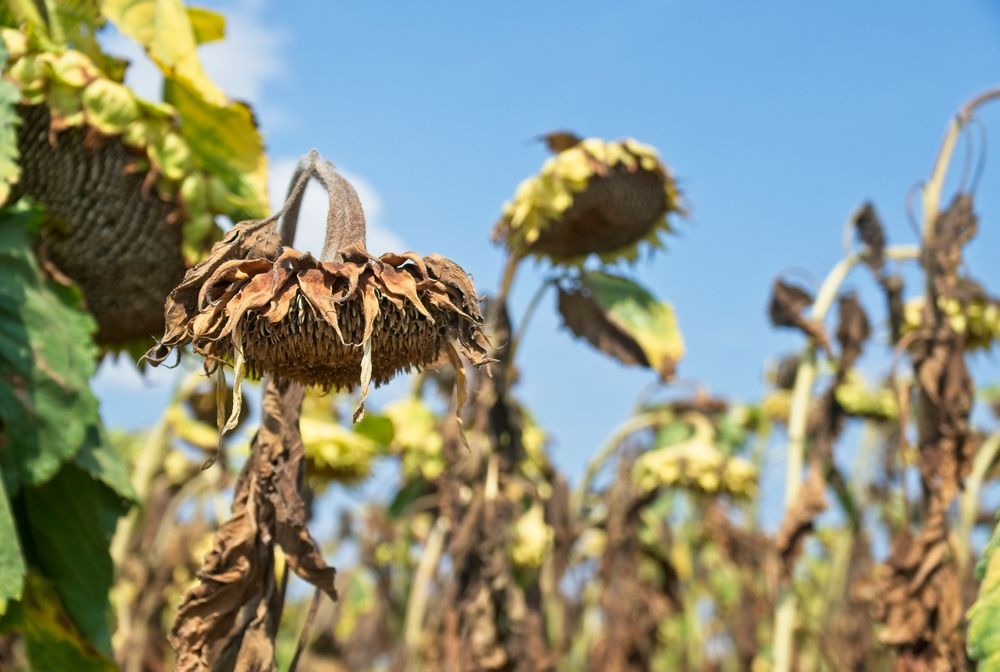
point(592, 197)
point(339, 322)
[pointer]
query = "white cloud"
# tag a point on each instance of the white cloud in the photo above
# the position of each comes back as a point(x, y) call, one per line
point(312, 217)
point(248, 58)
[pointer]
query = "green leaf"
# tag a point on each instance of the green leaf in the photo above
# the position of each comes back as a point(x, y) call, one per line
point(70, 521)
point(47, 357)
point(12, 569)
point(984, 615)
point(208, 26)
point(622, 319)
point(10, 170)
point(52, 641)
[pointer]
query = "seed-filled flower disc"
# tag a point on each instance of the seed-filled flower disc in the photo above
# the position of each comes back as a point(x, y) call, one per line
point(596, 197)
point(313, 322)
point(120, 242)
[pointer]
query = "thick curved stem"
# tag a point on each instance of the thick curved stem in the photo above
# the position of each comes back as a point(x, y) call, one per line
point(345, 218)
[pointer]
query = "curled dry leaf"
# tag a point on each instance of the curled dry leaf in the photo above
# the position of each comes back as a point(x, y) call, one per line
point(623, 320)
point(919, 601)
point(800, 518)
point(853, 329)
point(952, 230)
point(238, 574)
point(868, 226)
point(788, 303)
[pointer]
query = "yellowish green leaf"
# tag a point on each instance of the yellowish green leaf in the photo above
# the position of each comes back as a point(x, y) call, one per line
point(110, 107)
point(208, 26)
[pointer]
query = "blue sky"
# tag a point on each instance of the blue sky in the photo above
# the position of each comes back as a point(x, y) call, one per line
point(778, 118)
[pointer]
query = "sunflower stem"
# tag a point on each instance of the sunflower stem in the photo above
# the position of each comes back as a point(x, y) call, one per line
point(805, 376)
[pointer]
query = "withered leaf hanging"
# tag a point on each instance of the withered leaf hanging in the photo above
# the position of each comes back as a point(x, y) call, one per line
point(346, 320)
point(622, 319)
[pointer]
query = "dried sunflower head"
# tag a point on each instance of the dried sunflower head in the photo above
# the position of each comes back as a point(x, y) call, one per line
point(342, 321)
point(593, 197)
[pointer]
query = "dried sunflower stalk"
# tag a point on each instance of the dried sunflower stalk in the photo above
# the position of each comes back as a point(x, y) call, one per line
point(346, 320)
point(593, 197)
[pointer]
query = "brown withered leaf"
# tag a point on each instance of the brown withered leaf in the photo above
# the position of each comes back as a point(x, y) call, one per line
point(800, 518)
point(558, 141)
point(868, 226)
point(919, 601)
point(584, 317)
point(238, 574)
point(853, 329)
point(786, 309)
point(628, 641)
point(953, 228)
point(621, 318)
point(892, 286)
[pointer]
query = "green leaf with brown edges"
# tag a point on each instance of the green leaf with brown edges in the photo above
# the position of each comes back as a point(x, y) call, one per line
point(622, 319)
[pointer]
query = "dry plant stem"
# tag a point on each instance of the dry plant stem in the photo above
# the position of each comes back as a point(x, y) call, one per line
point(420, 593)
point(969, 505)
point(303, 642)
point(611, 446)
point(805, 376)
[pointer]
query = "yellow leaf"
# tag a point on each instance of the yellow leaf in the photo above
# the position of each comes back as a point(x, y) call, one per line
point(225, 142)
point(208, 26)
point(163, 28)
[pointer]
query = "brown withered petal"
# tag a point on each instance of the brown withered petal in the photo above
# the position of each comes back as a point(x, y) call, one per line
point(117, 240)
point(307, 320)
point(786, 310)
point(558, 141)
